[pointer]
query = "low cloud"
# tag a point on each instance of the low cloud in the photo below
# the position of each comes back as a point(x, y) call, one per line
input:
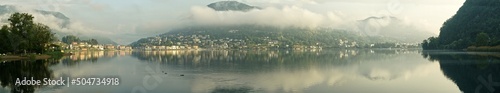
point(282, 17)
point(56, 5)
point(294, 16)
point(159, 16)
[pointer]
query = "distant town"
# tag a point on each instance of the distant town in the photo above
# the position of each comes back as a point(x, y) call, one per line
point(180, 42)
point(84, 46)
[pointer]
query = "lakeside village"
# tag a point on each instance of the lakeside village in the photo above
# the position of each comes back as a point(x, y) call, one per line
point(207, 44)
point(195, 42)
point(84, 46)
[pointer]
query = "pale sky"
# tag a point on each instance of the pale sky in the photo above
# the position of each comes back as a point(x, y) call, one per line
point(125, 21)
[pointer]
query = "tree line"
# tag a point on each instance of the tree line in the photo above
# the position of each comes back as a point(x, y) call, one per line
point(482, 39)
point(71, 38)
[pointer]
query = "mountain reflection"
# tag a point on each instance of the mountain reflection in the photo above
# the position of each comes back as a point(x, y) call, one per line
point(264, 59)
point(286, 70)
point(262, 71)
point(472, 72)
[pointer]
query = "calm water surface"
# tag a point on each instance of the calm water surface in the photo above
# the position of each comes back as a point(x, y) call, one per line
point(266, 71)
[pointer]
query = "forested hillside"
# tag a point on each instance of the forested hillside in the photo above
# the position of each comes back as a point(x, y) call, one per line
point(261, 35)
point(477, 23)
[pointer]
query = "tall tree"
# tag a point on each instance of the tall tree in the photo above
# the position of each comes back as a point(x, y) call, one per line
point(20, 26)
point(23, 35)
point(70, 39)
point(93, 42)
point(40, 37)
point(4, 42)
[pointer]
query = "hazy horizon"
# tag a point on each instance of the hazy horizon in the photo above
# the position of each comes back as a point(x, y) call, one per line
point(126, 21)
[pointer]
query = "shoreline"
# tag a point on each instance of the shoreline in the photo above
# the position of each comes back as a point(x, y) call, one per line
point(18, 57)
point(483, 49)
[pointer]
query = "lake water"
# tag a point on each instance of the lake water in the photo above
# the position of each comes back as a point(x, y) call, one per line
point(265, 71)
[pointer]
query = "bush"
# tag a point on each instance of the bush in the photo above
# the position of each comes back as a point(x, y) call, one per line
point(431, 43)
point(55, 54)
point(482, 39)
point(484, 48)
point(32, 56)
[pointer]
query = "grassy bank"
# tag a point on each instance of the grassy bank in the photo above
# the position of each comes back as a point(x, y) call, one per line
point(33, 56)
point(24, 57)
point(484, 48)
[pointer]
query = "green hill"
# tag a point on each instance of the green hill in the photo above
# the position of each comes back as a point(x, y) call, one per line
point(252, 35)
point(463, 29)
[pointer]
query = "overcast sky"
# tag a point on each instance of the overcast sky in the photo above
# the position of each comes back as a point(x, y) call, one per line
point(125, 21)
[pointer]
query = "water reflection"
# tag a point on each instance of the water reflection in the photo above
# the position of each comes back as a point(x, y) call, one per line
point(472, 72)
point(92, 56)
point(290, 71)
point(263, 59)
point(40, 69)
point(10, 71)
point(242, 71)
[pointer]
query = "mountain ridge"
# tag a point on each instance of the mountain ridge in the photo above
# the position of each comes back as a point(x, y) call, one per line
point(231, 6)
point(255, 35)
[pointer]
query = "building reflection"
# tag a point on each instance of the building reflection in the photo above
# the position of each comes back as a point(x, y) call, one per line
point(207, 56)
point(92, 56)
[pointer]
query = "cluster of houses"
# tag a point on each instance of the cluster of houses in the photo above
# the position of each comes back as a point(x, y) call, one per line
point(85, 46)
point(347, 44)
point(186, 42)
point(148, 48)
